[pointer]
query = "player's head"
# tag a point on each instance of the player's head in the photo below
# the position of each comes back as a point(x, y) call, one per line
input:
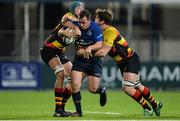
point(85, 19)
point(76, 7)
point(103, 16)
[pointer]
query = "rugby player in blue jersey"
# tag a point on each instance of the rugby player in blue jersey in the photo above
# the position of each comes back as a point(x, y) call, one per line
point(91, 40)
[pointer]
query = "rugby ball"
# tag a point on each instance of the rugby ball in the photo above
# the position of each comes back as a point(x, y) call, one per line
point(67, 40)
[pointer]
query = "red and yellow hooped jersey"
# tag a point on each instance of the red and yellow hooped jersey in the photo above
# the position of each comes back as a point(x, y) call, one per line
point(119, 46)
point(69, 16)
point(54, 40)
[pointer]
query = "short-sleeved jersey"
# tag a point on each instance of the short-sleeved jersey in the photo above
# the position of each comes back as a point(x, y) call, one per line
point(92, 66)
point(119, 46)
point(54, 40)
point(89, 36)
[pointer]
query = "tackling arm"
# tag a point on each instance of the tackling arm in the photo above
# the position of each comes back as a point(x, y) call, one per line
point(89, 49)
point(86, 53)
point(109, 37)
point(103, 51)
point(95, 46)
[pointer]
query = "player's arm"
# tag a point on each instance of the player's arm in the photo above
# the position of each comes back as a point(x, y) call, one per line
point(65, 32)
point(103, 51)
point(56, 29)
point(89, 49)
point(95, 46)
point(74, 26)
point(70, 24)
point(59, 26)
point(67, 21)
point(109, 37)
point(98, 37)
point(87, 52)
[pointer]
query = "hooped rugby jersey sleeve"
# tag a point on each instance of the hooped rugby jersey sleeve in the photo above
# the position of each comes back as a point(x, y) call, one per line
point(68, 16)
point(109, 36)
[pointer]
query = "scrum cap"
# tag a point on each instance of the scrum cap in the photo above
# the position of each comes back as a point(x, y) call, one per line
point(74, 5)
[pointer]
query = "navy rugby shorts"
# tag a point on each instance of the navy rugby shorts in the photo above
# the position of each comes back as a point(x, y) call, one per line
point(91, 67)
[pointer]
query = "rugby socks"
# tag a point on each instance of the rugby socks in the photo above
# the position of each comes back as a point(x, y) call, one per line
point(147, 95)
point(58, 98)
point(67, 94)
point(139, 98)
point(77, 101)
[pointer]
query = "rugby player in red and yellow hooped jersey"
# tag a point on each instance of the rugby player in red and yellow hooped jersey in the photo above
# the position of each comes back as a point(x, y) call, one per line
point(54, 40)
point(52, 54)
point(119, 46)
point(127, 60)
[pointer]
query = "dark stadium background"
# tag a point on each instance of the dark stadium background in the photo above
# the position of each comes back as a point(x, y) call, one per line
point(151, 28)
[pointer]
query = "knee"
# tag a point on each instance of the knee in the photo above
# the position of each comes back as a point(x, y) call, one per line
point(127, 86)
point(60, 76)
point(92, 89)
point(76, 87)
point(68, 86)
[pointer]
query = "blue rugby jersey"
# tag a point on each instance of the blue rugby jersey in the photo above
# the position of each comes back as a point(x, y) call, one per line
point(89, 36)
point(92, 66)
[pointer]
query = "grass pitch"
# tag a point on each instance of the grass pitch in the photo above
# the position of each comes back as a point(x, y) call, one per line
point(39, 105)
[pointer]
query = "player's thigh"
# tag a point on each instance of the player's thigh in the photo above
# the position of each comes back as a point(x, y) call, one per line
point(129, 76)
point(131, 68)
point(93, 83)
point(49, 57)
point(54, 62)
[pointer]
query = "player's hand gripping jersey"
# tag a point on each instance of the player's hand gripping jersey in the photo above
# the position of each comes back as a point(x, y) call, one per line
point(56, 41)
point(120, 49)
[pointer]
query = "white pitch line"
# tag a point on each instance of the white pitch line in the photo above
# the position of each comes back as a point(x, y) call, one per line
point(98, 112)
point(94, 112)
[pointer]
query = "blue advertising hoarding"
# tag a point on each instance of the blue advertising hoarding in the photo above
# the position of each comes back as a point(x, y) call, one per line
point(157, 75)
point(17, 75)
